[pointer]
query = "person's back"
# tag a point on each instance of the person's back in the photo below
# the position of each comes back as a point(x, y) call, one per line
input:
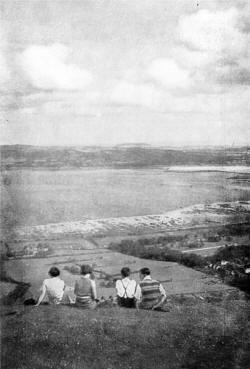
point(85, 289)
point(55, 289)
point(126, 289)
point(150, 294)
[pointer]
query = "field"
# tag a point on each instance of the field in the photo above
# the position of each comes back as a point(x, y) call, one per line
point(107, 264)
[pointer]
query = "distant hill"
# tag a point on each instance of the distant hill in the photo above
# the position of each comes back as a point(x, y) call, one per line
point(122, 156)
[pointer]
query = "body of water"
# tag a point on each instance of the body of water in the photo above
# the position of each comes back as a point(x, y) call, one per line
point(33, 197)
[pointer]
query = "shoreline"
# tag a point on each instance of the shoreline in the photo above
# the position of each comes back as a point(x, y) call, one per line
point(189, 217)
point(241, 169)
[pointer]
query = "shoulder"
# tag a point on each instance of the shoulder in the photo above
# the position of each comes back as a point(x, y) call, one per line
point(132, 281)
point(46, 282)
point(155, 281)
point(61, 281)
point(92, 282)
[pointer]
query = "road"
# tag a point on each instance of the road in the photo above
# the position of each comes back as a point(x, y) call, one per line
point(203, 248)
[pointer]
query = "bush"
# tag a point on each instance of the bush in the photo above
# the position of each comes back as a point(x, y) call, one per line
point(231, 253)
point(193, 260)
point(135, 248)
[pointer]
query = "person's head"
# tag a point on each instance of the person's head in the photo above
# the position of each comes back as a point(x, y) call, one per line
point(54, 272)
point(86, 269)
point(143, 272)
point(125, 272)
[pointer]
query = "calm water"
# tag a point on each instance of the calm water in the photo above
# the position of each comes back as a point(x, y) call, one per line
point(40, 197)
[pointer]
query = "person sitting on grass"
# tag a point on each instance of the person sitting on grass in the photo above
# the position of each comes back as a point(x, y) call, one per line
point(150, 294)
point(85, 289)
point(53, 288)
point(125, 289)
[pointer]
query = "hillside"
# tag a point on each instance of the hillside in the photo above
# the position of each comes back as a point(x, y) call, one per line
point(189, 336)
point(56, 157)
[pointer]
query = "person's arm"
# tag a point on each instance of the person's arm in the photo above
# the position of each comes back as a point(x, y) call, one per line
point(137, 296)
point(117, 285)
point(42, 295)
point(76, 288)
point(93, 288)
point(163, 297)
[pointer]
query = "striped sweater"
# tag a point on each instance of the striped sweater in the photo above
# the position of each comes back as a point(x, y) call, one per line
point(150, 292)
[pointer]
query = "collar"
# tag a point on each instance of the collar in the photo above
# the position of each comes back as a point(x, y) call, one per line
point(148, 277)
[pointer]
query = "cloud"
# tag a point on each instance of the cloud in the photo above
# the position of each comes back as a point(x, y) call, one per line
point(215, 32)
point(215, 46)
point(141, 94)
point(46, 67)
point(4, 71)
point(151, 86)
point(168, 73)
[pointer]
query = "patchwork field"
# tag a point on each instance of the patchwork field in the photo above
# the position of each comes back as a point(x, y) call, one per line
point(107, 264)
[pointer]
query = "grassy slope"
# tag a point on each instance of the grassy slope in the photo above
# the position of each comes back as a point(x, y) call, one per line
point(189, 336)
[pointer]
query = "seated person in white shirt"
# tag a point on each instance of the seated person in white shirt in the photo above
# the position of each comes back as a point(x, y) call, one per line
point(125, 289)
point(53, 288)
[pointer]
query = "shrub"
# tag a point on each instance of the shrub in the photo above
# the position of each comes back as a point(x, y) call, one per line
point(193, 260)
point(231, 253)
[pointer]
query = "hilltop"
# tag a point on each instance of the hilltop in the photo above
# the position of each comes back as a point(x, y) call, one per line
point(189, 336)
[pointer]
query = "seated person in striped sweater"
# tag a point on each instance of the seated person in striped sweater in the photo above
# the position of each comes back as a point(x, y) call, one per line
point(150, 294)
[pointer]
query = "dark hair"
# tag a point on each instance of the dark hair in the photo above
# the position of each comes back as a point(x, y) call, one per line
point(86, 269)
point(125, 272)
point(54, 272)
point(145, 271)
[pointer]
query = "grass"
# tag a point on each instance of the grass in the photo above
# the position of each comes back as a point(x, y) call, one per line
point(200, 336)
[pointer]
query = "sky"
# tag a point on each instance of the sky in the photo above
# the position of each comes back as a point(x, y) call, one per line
point(106, 72)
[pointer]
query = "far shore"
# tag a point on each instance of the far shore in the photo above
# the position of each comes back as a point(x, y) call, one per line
point(212, 168)
point(241, 169)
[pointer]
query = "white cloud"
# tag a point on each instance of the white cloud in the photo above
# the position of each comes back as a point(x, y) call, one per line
point(150, 87)
point(4, 71)
point(215, 32)
point(46, 68)
point(215, 46)
point(127, 93)
point(169, 74)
